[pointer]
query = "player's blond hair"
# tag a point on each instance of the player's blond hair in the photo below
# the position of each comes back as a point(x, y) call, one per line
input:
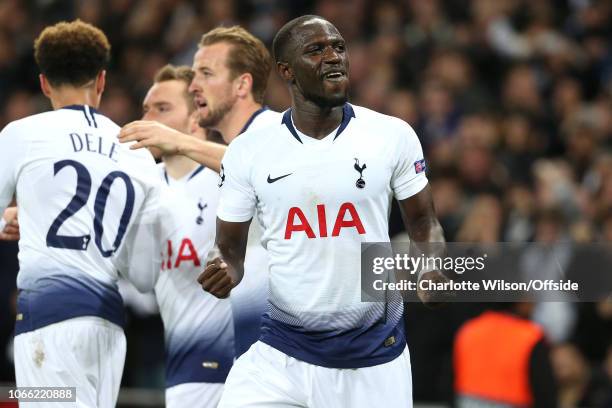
point(247, 55)
point(71, 53)
point(181, 73)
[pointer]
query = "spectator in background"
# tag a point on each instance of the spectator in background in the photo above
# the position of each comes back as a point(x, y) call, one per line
point(549, 258)
point(579, 384)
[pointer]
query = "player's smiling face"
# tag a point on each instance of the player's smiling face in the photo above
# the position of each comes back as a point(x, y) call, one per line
point(320, 63)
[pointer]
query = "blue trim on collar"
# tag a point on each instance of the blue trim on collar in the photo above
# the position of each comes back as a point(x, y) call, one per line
point(195, 173)
point(84, 109)
point(347, 113)
point(289, 123)
point(81, 108)
point(199, 169)
point(252, 118)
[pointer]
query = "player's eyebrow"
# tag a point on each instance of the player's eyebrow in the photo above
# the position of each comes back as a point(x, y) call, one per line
point(202, 68)
point(324, 41)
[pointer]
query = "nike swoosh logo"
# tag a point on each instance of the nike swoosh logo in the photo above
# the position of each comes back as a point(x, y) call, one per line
point(272, 180)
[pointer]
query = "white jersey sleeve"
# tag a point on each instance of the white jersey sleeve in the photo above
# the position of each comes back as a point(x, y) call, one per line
point(237, 201)
point(408, 176)
point(141, 256)
point(11, 151)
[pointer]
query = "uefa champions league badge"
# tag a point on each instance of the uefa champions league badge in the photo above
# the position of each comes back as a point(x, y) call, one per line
point(360, 183)
point(420, 166)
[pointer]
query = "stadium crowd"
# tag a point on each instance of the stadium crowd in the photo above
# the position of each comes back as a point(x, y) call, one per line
point(511, 99)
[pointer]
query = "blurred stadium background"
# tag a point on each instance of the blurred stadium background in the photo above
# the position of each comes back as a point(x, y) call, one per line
point(512, 101)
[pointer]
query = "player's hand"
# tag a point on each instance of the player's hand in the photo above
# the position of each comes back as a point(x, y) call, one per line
point(151, 134)
point(10, 232)
point(434, 298)
point(217, 279)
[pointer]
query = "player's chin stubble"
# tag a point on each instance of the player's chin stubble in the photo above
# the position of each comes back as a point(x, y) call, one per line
point(327, 99)
point(214, 117)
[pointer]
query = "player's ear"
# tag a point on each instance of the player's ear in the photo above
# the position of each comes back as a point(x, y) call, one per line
point(244, 84)
point(284, 70)
point(100, 82)
point(45, 87)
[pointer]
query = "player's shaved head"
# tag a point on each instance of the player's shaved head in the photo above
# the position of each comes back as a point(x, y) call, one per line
point(285, 40)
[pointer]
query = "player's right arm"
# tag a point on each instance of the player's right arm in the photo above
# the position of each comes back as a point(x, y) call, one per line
point(234, 213)
point(223, 273)
point(148, 133)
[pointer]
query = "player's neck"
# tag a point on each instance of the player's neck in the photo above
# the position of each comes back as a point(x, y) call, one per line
point(313, 120)
point(178, 166)
point(66, 96)
point(235, 120)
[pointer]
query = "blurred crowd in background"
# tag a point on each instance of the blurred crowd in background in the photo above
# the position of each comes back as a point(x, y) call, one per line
point(511, 99)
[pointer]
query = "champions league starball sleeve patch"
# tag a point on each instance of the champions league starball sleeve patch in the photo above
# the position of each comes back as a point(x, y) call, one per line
point(419, 166)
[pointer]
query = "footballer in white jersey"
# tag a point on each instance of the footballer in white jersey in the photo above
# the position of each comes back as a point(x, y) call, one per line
point(79, 194)
point(314, 224)
point(204, 334)
point(319, 194)
point(198, 327)
point(201, 343)
point(88, 210)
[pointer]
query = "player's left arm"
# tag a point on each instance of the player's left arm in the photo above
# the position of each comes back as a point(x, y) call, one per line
point(420, 218)
point(410, 186)
point(424, 228)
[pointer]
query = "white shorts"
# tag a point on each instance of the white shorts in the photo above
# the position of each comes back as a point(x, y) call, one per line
point(85, 352)
point(265, 377)
point(202, 395)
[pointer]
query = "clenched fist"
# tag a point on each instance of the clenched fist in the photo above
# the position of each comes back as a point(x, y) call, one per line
point(10, 232)
point(217, 278)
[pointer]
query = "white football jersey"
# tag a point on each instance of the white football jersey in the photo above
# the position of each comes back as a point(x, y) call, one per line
point(87, 207)
point(198, 327)
point(204, 334)
point(317, 201)
point(250, 298)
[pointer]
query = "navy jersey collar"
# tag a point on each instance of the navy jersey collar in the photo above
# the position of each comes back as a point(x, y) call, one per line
point(347, 114)
point(88, 112)
point(252, 118)
point(193, 174)
point(80, 108)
